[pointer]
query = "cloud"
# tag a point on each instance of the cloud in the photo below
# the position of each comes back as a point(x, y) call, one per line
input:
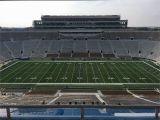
point(22, 13)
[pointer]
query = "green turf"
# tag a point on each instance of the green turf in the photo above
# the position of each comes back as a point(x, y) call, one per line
point(80, 72)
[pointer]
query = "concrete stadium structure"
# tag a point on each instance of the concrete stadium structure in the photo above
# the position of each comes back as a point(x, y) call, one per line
point(79, 36)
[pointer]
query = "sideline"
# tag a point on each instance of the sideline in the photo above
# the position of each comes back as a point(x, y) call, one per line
point(9, 66)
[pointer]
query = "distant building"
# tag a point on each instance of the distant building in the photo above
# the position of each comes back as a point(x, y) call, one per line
point(90, 22)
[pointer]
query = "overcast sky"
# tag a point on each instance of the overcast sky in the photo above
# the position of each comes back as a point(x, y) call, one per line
point(22, 13)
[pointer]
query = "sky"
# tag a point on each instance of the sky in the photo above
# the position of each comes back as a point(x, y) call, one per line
point(139, 13)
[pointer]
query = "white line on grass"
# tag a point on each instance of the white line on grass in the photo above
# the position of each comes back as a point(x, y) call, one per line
point(45, 73)
point(59, 72)
point(31, 73)
point(100, 72)
point(54, 71)
point(147, 72)
point(9, 66)
point(93, 73)
point(86, 71)
point(82, 61)
point(73, 73)
point(79, 77)
point(151, 66)
point(115, 74)
point(131, 72)
point(120, 72)
point(66, 73)
point(83, 84)
point(26, 72)
point(19, 72)
point(146, 75)
point(13, 72)
point(106, 72)
point(121, 84)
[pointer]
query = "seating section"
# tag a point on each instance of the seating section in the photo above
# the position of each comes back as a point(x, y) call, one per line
point(80, 48)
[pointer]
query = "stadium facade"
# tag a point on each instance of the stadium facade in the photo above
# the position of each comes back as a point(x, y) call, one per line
point(80, 36)
point(96, 65)
point(78, 22)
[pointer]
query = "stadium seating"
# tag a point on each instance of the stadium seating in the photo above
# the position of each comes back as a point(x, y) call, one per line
point(80, 48)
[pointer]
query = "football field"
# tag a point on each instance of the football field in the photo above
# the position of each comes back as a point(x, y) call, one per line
point(82, 72)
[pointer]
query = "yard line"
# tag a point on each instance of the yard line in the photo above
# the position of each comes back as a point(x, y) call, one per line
point(131, 72)
point(93, 74)
point(21, 72)
point(151, 66)
point(66, 73)
point(106, 72)
point(49, 73)
point(86, 71)
point(59, 72)
point(45, 73)
point(122, 74)
point(79, 72)
point(139, 72)
point(100, 73)
point(16, 70)
point(73, 73)
point(26, 72)
point(13, 70)
point(153, 70)
point(148, 73)
point(54, 70)
point(36, 68)
point(8, 66)
point(115, 75)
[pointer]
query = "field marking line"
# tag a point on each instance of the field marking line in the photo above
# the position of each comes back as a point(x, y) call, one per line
point(54, 69)
point(66, 72)
point(121, 84)
point(105, 69)
point(88, 61)
point(137, 96)
point(73, 72)
point(100, 73)
point(79, 72)
point(31, 73)
point(131, 71)
point(22, 70)
point(14, 71)
point(86, 71)
point(148, 73)
point(59, 72)
point(151, 66)
point(141, 70)
point(93, 73)
point(119, 72)
point(55, 65)
point(46, 71)
point(125, 69)
point(27, 72)
point(115, 75)
point(9, 66)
